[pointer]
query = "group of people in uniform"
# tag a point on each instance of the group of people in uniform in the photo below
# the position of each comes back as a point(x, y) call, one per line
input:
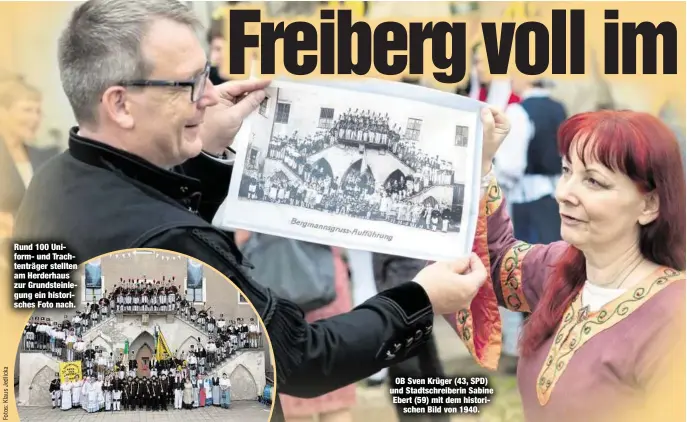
point(142, 295)
point(189, 379)
point(365, 126)
point(223, 341)
point(357, 194)
point(185, 380)
point(109, 392)
point(239, 333)
point(284, 147)
point(60, 339)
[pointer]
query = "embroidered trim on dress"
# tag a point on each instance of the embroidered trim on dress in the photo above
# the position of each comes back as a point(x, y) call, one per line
point(479, 327)
point(493, 196)
point(511, 278)
point(574, 331)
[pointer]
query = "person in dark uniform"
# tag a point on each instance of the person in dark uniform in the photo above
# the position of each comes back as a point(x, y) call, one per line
point(104, 305)
point(154, 398)
point(144, 393)
point(202, 358)
point(130, 393)
point(55, 392)
point(117, 390)
point(202, 318)
point(95, 313)
point(445, 220)
point(136, 392)
point(163, 395)
point(133, 364)
point(89, 357)
point(436, 215)
point(169, 189)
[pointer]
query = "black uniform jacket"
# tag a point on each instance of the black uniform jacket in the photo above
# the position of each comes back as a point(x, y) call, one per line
point(96, 199)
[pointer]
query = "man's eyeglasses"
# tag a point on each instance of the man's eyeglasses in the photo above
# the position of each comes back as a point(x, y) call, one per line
point(197, 84)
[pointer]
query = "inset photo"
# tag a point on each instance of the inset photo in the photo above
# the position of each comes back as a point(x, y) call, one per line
point(150, 331)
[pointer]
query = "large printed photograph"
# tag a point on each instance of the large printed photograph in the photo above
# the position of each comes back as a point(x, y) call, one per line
point(357, 169)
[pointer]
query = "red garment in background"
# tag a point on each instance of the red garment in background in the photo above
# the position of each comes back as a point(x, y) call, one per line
point(483, 92)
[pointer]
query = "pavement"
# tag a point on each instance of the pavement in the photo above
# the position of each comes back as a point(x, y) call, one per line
point(240, 411)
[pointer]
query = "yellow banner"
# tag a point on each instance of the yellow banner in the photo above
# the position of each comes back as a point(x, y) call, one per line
point(70, 371)
point(162, 351)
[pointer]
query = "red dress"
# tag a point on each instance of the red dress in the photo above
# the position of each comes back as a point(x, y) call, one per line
point(343, 398)
point(483, 93)
point(624, 362)
point(201, 386)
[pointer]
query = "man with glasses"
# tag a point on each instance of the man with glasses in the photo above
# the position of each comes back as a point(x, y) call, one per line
point(149, 164)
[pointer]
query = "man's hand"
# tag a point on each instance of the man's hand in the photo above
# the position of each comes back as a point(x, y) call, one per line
point(451, 286)
point(237, 100)
point(495, 127)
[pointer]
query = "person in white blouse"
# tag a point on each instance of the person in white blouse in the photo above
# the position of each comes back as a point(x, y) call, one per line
point(110, 363)
point(51, 333)
point(89, 396)
point(225, 391)
point(77, 385)
point(192, 363)
point(107, 392)
point(66, 388)
point(101, 363)
point(71, 342)
point(76, 322)
point(100, 394)
point(207, 385)
point(253, 331)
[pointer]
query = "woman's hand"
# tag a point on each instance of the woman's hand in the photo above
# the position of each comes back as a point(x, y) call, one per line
point(241, 237)
point(496, 126)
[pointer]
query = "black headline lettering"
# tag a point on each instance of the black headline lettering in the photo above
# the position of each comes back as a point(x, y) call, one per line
point(630, 32)
point(336, 45)
point(43, 276)
point(336, 31)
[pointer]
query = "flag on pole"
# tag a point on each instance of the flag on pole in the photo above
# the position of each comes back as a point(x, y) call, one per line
point(126, 347)
point(162, 351)
point(363, 161)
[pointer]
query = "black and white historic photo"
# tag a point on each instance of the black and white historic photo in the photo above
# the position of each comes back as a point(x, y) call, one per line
point(359, 168)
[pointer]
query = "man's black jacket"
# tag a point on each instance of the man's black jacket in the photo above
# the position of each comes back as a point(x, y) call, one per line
point(96, 199)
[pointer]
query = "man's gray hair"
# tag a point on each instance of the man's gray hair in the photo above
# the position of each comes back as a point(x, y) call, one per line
point(101, 47)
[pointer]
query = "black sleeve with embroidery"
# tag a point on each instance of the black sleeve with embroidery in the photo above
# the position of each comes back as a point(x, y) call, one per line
point(214, 177)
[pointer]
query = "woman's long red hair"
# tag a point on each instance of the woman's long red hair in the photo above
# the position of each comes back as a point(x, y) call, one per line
point(642, 147)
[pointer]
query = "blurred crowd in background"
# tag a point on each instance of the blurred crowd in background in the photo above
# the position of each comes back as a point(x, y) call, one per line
point(32, 130)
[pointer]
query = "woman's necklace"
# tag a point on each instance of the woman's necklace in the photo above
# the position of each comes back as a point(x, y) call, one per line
point(583, 313)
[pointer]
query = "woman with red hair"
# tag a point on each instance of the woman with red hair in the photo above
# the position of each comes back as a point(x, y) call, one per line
point(605, 339)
